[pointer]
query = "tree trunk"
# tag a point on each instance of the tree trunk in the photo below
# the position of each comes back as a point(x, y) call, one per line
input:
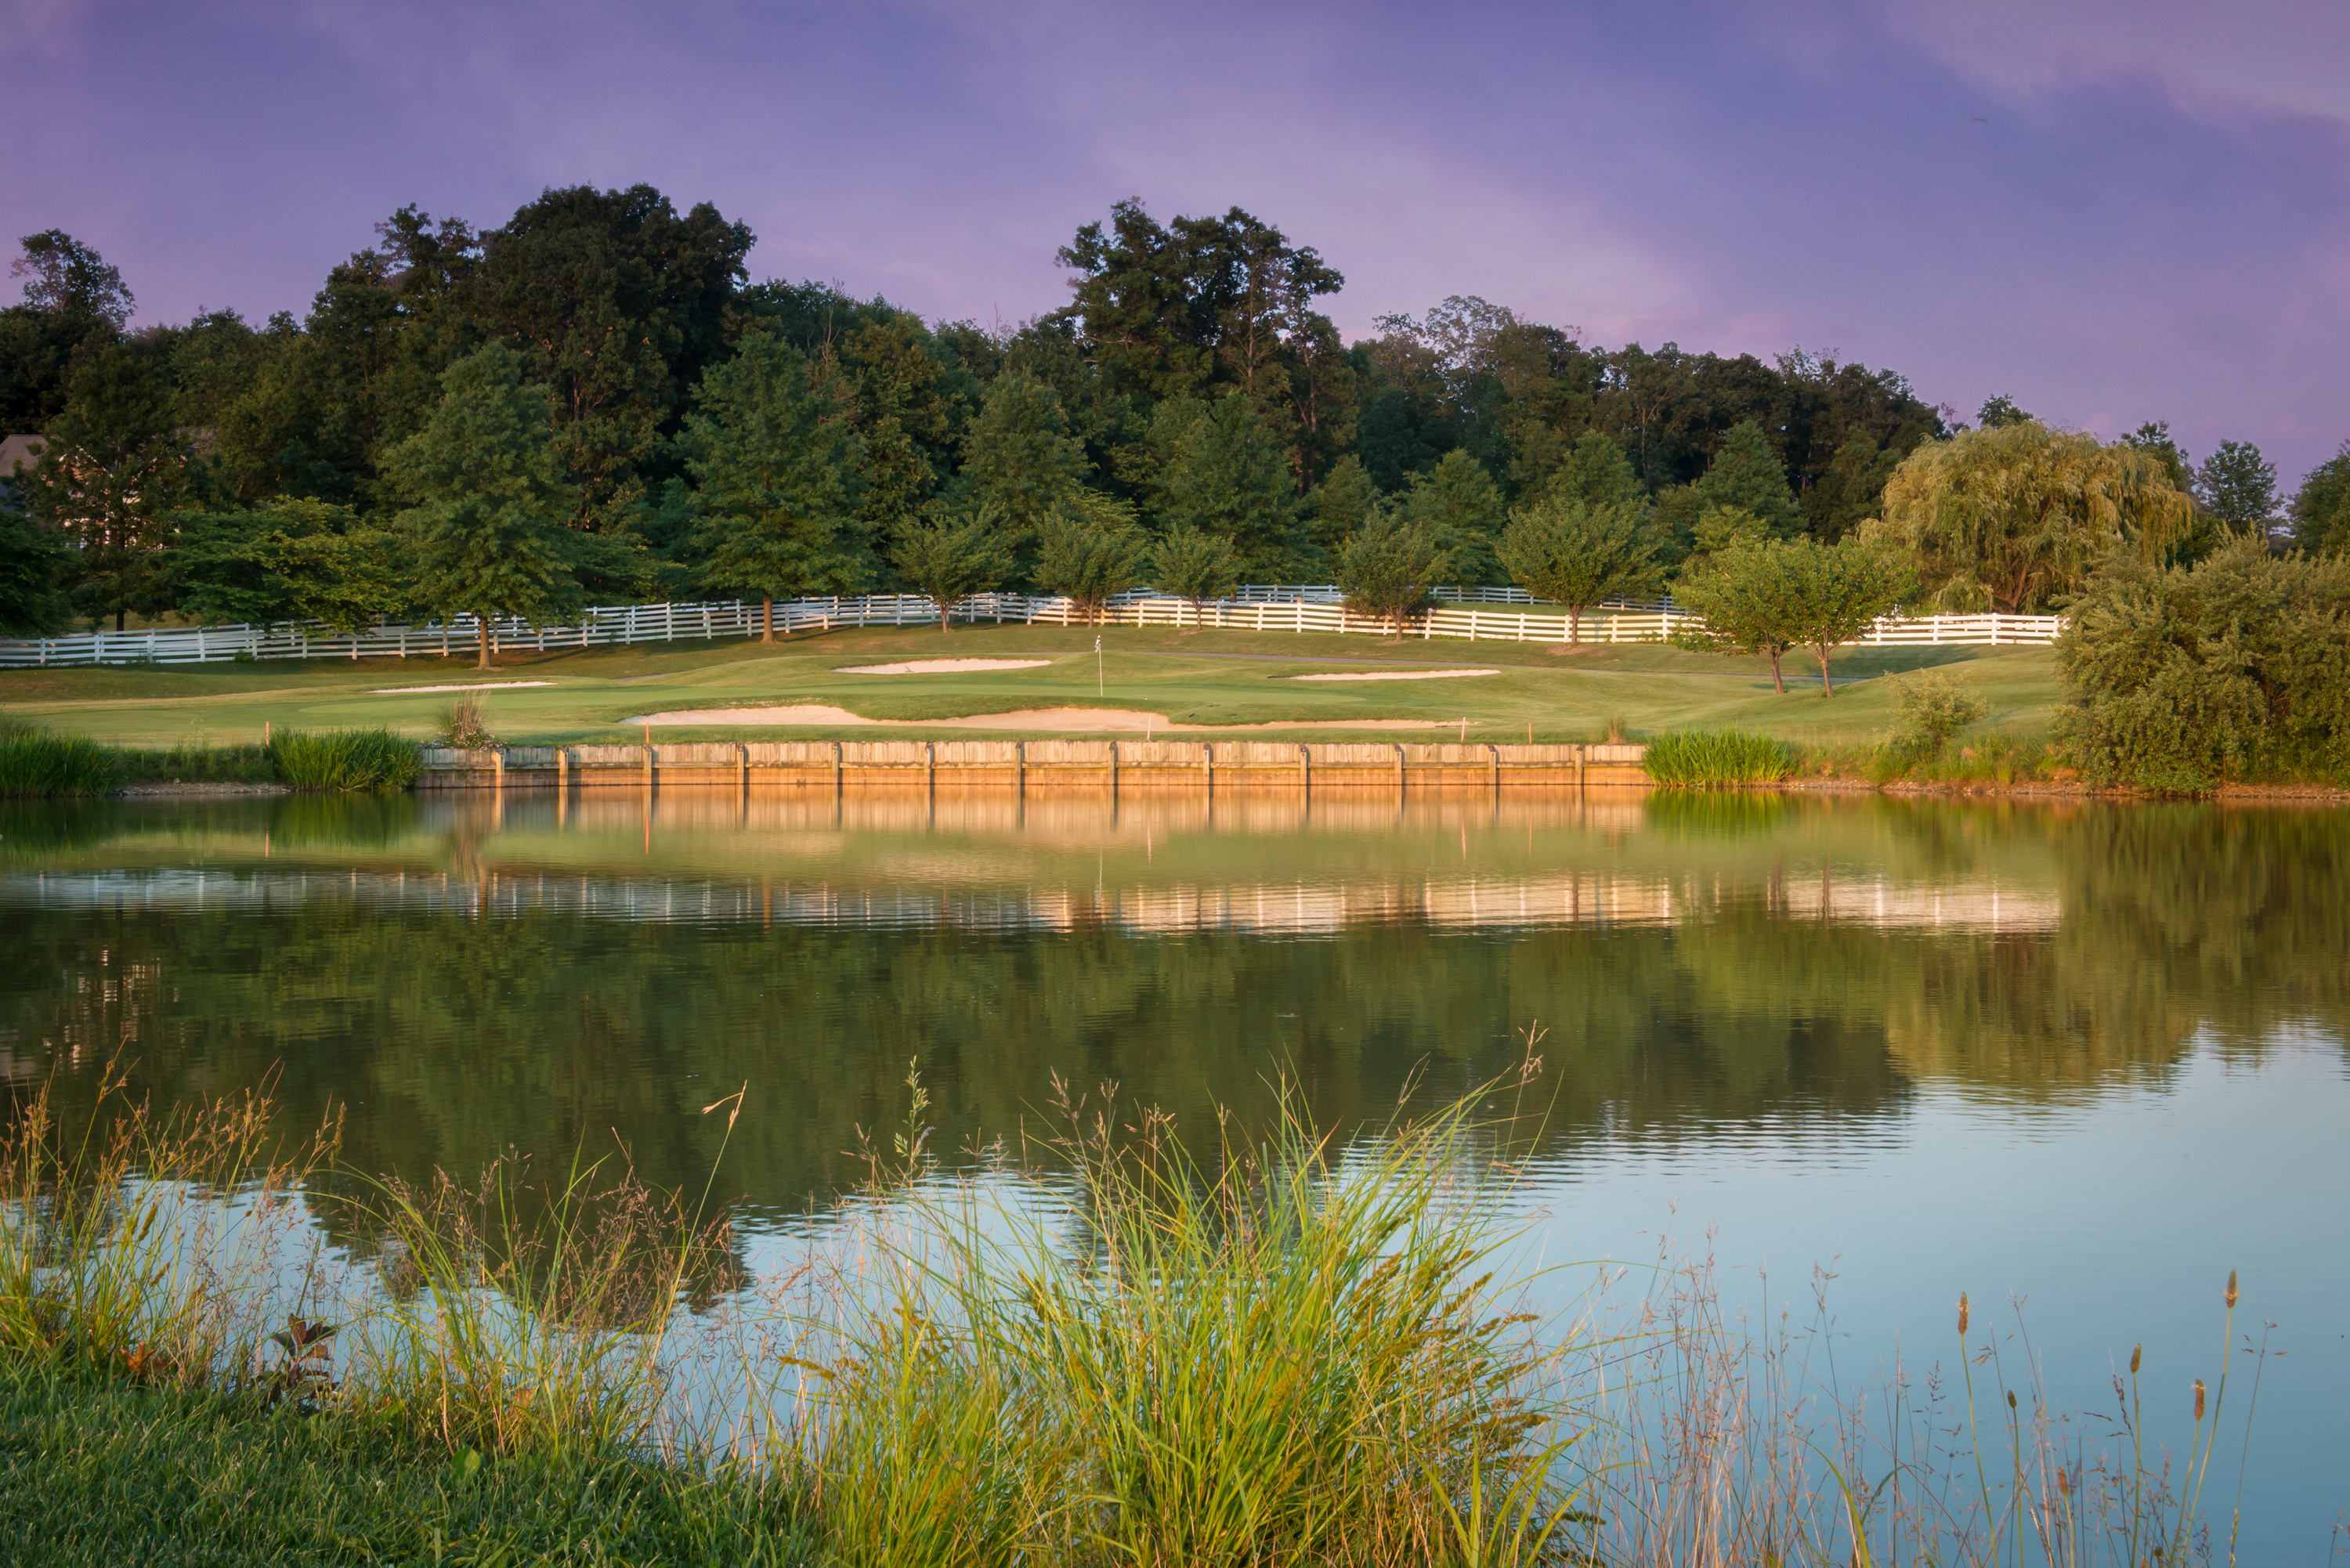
point(481, 628)
point(1821, 651)
point(1574, 624)
point(767, 617)
point(117, 618)
point(943, 607)
point(1778, 682)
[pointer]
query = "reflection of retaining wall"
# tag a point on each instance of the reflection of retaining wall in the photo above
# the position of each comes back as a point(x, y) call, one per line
point(1027, 764)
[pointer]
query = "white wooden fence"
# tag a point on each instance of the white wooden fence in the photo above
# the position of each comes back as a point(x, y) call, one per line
point(1257, 607)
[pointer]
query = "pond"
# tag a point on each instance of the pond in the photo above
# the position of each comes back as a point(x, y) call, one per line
point(2077, 1059)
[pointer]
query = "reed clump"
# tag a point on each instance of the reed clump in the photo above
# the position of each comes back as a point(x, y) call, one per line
point(43, 763)
point(1295, 1352)
point(1701, 759)
point(345, 759)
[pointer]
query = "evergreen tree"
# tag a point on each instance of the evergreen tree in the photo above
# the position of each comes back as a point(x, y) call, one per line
point(1223, 475)
point(1019, 459)
point(1747, 475)
point(1595, 472)
point(1190, 564)
point(490, 498)
point(111, 468)
point(947, 559)
point(1575, 554)
point(1337, 505)
point(774, 466)
point(1460, 507)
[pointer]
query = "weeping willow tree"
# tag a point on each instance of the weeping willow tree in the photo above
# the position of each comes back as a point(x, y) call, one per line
point(2014, 517)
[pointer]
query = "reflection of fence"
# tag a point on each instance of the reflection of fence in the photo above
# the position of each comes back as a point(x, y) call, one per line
point(1257, 607)
point(1022, 764)
point(1309, 907)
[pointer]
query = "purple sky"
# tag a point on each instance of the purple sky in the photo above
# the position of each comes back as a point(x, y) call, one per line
point(2112, 210)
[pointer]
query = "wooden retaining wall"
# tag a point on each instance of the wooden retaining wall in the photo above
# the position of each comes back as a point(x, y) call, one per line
point(1093, 765)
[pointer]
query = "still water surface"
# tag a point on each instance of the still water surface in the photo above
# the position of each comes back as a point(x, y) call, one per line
point(2087, 1056)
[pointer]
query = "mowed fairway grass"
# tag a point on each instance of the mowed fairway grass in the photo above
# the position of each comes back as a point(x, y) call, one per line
point(1207, 678)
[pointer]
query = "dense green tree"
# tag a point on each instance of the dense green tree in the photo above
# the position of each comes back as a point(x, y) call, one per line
point(1999, 412)
point(2321, 507)
point(1747, 475)
point(1596, 472)
point(1198, 566)
point(775, 468)
point(1460, 507)
point(1221, 475)
point(2154, 437)
point(617, 305)
point(75, 305)
point(1339, 504)
point(2178, 679)
point(1019, 459)
point(33, 598)
point(947, 558)
point(284, 562)
point(2014, 517)
point(1573, 553)
point(1390, 566)
point(1092, 549)
point(490, 498)
point(114, 464)
point(1769, 595)
point(2238, 486)
point(1850, 490)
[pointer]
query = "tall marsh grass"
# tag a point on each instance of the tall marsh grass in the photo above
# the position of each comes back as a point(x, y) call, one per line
point(1698, 759)
point(36, 761)
point(1100, 1347)
point(1294, 1352)
point(345, 759)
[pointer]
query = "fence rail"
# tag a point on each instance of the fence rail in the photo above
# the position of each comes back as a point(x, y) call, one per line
point(1256, 607)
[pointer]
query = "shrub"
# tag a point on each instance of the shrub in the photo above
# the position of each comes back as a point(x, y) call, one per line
point(1929, 706)
point(1696, 759)
point(2238, 665)
point(36, 761)
point(465, 726)
point(345, 759)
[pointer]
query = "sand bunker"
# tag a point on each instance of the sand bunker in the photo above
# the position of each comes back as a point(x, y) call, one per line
point(940, 666)
point(1399, 675)
point(1088, 719)
point(480, 685)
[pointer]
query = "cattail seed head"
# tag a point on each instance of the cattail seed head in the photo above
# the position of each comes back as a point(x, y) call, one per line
point(2137, 1354)
point(2232, 1290)
point(1962, 1313)
point(2199, 1398)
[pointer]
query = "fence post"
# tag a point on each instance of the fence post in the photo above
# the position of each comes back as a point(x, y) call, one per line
point(836, 771)
point(1399, 773)
point(1305, 767)
point(1019, 767)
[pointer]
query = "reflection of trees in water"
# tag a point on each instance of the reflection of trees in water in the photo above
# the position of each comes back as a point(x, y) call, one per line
point(453, 1039)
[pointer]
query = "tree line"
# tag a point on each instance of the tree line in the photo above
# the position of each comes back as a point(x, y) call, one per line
point(594, 401)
